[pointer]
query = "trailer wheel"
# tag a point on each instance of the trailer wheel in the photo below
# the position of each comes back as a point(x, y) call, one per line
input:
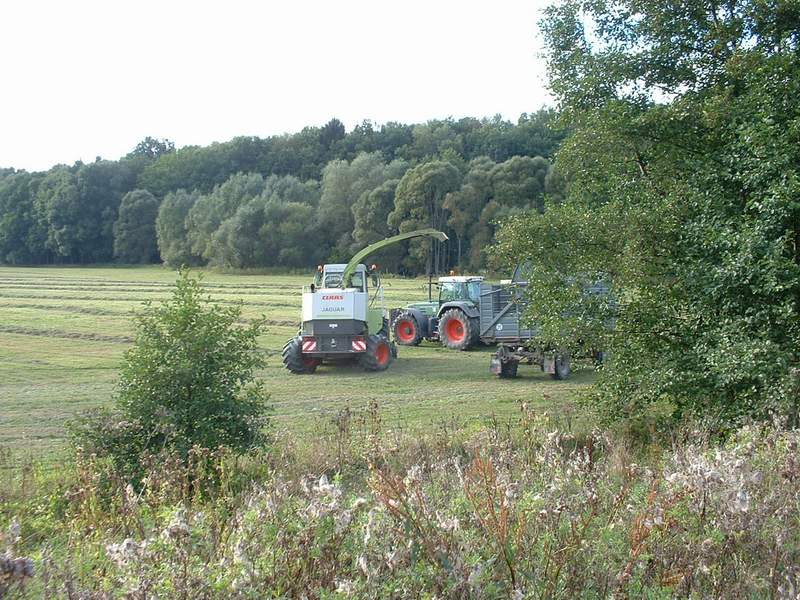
point(406, 329)
point(294, 360)
point(455, 330)
point(379, 354)
point(508, 369)
point(563, 368)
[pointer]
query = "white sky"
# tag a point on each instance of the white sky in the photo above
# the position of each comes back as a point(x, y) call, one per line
point(92, 78)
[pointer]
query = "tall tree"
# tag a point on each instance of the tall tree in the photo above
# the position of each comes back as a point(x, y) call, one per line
point(419, 203)
point(208, 213)
point(79, 206)
point(342, 184)
point(151, 148)
point(684, 174)
point(135, 228)
point(22, 234)
point(371, 214)
point(276, 228)
point(172, 229)
point(465, 206)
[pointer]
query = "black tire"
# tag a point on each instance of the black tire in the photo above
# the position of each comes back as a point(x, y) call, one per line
point(508, 369)
point(406, 329)
point(456, 330)
point(294, 360)
point(379, 354)
point(563, 368)
point(475, 337)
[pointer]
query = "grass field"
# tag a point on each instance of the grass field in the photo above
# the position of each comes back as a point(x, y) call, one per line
point(63, 332)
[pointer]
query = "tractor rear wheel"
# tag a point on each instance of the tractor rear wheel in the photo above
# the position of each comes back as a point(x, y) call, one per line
point(295, 361)
point(456, 330)
point(406, 329)
point(379, 355)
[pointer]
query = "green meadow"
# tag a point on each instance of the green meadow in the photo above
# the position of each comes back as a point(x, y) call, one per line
point(63, 332)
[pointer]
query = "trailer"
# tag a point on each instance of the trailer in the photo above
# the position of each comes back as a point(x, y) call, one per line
point(500, 322)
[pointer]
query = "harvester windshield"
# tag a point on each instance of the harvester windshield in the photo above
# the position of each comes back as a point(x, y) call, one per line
point(332, 278)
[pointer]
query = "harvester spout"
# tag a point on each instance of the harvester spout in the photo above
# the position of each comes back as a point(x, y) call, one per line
point(372, 248)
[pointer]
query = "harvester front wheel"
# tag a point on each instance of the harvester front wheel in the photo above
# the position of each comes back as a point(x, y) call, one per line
point(406, 329)
point(295, 361)
point(379, 354)
point(456, 330)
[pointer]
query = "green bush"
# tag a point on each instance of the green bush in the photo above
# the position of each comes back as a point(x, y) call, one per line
point(187, 382)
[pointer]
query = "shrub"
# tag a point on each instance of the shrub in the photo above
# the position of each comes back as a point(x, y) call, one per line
point(187, 382)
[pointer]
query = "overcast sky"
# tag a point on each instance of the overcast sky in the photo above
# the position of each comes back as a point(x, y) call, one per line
point(83, 79)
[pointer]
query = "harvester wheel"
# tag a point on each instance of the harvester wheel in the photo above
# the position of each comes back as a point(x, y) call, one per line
point(406, 329)
point(294, 360)
point(379, 354)
point(455, 330)
point(563, 368)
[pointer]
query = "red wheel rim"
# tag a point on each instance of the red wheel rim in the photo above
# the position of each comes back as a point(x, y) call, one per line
point(406, 330)
point(382, 353)
point(455, 330)
point(309, 361)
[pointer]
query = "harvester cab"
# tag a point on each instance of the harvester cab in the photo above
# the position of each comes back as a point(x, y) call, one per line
point(342, 318)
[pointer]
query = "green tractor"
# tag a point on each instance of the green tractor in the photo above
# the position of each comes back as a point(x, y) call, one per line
point(343, 317)
point(453, 319)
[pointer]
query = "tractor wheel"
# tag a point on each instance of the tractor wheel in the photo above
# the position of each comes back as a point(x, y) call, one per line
point(406, 329)
point(563, 367)
point(294, 360)
point(379, 354)
point(508, 369)
point(475, 326)
point(455, 330)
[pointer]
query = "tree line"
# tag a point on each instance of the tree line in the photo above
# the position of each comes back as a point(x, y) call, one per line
point(286, 201)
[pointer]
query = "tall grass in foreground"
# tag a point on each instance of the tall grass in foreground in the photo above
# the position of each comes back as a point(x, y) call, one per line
point(520, 510)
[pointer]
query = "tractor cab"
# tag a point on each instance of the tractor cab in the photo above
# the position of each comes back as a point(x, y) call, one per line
point(459, 288)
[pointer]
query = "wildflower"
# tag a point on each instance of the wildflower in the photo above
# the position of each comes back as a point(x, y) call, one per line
point(346, 587)
point(324, 488)
point(358, 503)
point(342, 520)
point(413, 476)
point(370, 524)
point(125, 552)
point(362, 564)
point(741, 501)
point(447, 524)
point(131, 497)
point(178, 528)
point(392, 559)
point(13, 532)
point(512, 491)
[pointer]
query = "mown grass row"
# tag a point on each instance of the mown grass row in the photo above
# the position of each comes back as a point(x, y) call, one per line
point(60, 348)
